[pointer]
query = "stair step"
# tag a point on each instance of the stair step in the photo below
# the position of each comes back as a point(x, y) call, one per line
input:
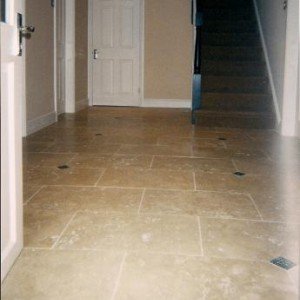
point(237, 102)
point(229, 26)
point(233, 68)
point(224, 84)
point(226, 3)
point(229, 14)
point(232, 53)
point(234, 119)
point(231, 39)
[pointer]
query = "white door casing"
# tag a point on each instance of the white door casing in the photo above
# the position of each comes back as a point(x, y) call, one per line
point(116, 36)
point(12, 96)
point(60, 55)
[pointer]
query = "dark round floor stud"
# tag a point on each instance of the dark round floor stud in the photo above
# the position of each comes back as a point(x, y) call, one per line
point(239, 174)
point(222, 139)
point(98, 134)
point(62, 167)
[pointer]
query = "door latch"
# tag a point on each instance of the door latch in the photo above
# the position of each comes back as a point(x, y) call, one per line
point(95, 53)
point(24, 32)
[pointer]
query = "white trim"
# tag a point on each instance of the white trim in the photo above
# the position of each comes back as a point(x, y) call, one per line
point(167, 103)
point(70, 56)
point(141, 54)
point(269, 69)
point(82, 104)
point(41, 122)
point(90, 50)
point(55, 57)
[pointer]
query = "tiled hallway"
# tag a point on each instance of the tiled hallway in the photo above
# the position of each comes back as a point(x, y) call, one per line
point(144, 206)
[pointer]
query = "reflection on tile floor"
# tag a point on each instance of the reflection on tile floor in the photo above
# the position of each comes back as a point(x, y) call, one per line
point(149, 208)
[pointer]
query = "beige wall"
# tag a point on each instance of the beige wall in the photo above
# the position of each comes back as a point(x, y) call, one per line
point(168, 49)
point(81, 53)
point(39, 60)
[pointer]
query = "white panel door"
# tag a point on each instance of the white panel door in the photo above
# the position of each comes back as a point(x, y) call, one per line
point(116, 37)
point(12, 99)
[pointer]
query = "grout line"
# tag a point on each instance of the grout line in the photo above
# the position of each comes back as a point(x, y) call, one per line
point(32, 196)
point(152, 161)
point(96, 183)
point(142, 199)
point(194, 181)
point(200, 236)
point(119, 277)
point(63, 231)
point(255, 205)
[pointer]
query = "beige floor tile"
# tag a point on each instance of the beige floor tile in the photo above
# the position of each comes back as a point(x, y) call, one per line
point(43, 227)
point(249, 240)
point(62, 275)
point(210, 204)
point(55, 176)
point(167, 234)
point(277, 207)
point(147, 178)
point(83, 147)
point(29, 191)
point(36, 146)
point(151, 277)
point(46, 159)
point(88, 198)
point(190, 141)
point(181, 150)
point(109, 160)
point(192, 164)
point(145, 139)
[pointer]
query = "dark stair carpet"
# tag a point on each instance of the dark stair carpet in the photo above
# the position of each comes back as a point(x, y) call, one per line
point(236, 89)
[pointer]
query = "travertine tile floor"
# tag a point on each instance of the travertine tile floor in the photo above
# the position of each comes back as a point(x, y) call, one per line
point(149, 208)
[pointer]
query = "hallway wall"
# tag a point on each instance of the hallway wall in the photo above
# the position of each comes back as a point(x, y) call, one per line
point(168, 49)
point(40, 108)
point(81, 54)
point(272, 19)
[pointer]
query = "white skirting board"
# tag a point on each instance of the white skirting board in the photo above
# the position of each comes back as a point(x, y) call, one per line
point(40, 122)
point(269, 69)
point(82, 104)
point(167, 103)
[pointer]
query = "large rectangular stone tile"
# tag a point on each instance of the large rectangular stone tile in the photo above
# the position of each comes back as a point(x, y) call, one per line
point(168, 234)
point(88, 160)
point(277, 207)
point(210, 204)
point(63, 275)
point(151, 277)
point(180, 150)
point(46, 159)
point(147, 178)
point(88, 198)
point(252, 240)
point(36, 146)
point(83, 147)
point(137, 139)
point(192, 164)
point(56, 176)
point(43, 227)
point(190, 141)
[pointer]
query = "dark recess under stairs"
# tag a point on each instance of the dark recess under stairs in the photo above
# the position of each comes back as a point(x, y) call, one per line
point(235, 82)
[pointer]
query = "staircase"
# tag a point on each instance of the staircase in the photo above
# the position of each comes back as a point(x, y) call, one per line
point(235, 83)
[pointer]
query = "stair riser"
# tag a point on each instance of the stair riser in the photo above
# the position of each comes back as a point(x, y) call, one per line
point(232, 53)
point(231, 39)
point(233, 69)
point(235, 84)
point(236, 102)
point(228, 15)
point(229, 27)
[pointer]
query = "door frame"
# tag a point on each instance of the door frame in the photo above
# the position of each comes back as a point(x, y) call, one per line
point(141, 50)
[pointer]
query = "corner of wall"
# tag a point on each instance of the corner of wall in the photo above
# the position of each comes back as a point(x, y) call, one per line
point(40, 122)
point(268, 64)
